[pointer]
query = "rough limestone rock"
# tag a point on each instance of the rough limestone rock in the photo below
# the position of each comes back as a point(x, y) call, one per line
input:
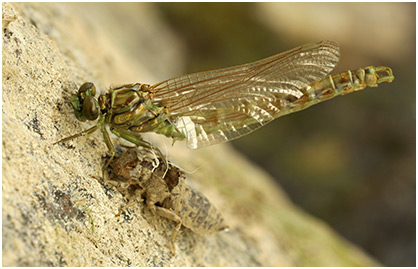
point(56, 214)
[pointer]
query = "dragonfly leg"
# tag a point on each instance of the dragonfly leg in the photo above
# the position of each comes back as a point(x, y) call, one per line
point(83, 133)
point(137, 140)
point(109, 145)
point(168, 214)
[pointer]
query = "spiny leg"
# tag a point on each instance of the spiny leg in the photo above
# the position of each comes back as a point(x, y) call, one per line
point(137, 140)
point(110, 146)
point(132, 199)
point(168, 214)
point(83, 133)
point(130, 203)
point(92, 130)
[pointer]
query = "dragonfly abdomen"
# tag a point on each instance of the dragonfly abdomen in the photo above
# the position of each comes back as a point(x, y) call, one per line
point(331, 86)
point(347, 82)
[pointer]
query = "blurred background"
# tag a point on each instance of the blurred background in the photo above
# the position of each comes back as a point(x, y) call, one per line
point(349, 161)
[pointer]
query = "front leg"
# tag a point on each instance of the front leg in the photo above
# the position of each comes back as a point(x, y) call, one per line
point(109, 145)
point(83, 133)
point(131, 202)
point(133, 199)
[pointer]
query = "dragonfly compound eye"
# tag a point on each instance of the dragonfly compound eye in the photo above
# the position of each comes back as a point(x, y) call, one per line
point(90, 108)
point(87, 88)
point(83, 109)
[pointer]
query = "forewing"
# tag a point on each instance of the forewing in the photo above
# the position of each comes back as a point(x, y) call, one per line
point(220, 105)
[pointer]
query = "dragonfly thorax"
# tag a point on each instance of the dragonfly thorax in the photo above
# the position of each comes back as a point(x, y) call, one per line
point(131, 110)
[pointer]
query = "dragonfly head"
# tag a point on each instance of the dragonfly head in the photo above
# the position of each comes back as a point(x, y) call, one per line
point(84, 103)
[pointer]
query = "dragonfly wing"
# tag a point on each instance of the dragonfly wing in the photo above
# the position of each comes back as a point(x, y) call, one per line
point(220, 105)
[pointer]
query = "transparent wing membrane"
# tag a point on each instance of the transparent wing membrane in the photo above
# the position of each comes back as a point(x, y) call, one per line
point(224, 104)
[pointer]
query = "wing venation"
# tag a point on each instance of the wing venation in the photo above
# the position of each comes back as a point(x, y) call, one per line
point(220, 105)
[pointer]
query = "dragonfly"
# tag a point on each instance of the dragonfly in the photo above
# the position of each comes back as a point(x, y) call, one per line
point(220, 105)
